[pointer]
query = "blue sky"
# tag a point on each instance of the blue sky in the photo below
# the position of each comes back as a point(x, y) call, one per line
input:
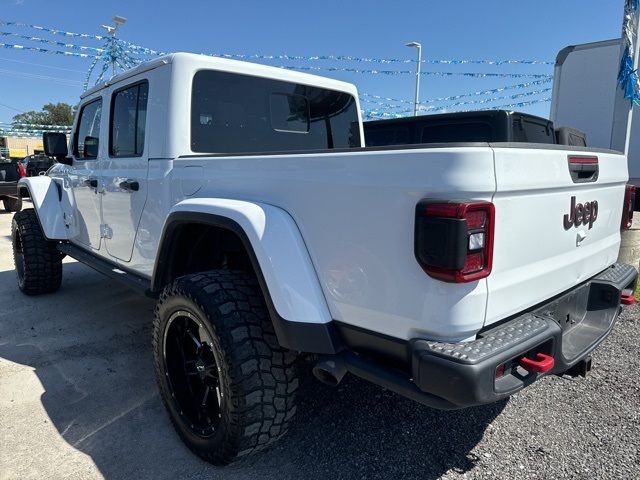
point(465, 29)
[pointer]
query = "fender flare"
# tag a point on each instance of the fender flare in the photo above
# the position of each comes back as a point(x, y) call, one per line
point(45, 195)
point(285, 273)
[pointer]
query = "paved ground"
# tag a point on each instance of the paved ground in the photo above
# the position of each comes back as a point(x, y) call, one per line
point(78, 400)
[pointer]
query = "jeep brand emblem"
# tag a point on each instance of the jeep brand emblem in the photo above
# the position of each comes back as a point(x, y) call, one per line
point(581, 214)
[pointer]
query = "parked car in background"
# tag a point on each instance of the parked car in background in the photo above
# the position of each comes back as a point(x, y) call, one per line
point(10, 173)
point(37, 164)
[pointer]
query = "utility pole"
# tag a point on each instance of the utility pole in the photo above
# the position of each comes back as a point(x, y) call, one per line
point(417, 97)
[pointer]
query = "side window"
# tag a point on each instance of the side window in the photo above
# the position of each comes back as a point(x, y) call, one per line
point(86, 139)
point(128, 120)
point(234, 113)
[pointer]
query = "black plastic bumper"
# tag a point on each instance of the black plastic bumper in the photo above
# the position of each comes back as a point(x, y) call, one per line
point(567, 328)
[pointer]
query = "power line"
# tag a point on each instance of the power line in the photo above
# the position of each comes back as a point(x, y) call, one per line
point(4, 59)
point(35, 76)
point(11, 108)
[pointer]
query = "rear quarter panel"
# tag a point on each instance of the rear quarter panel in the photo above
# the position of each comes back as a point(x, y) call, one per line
point(356, 213)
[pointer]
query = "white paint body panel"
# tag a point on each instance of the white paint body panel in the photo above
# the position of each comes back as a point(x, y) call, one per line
point(355, 212)
point(281, 253)
point(44, 195)
point(535, 258)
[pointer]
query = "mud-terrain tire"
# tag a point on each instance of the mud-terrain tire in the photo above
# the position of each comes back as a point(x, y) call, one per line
point(11, 204)
point(227, 384)
point(37, 261)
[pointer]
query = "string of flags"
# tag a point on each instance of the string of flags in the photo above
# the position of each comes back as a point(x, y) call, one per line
point(464, 95)
point(123, 55)
point(51, 42)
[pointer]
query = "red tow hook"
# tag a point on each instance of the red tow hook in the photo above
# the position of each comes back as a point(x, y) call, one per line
point(541, 364)
point(627, 299)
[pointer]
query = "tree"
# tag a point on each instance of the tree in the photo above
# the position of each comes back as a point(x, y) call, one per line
point(51, 114)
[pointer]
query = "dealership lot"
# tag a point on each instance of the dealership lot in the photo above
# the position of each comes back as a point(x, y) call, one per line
point(78, 400)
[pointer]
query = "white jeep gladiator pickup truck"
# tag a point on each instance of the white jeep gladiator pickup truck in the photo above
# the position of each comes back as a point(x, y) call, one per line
point(243, 198)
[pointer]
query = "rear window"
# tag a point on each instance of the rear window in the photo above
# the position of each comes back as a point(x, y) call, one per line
point(233, 113)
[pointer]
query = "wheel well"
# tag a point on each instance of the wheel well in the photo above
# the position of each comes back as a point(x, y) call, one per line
point(198, 247)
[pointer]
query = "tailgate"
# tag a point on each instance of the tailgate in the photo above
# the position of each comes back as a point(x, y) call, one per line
point(535, 256)
point(8, 172)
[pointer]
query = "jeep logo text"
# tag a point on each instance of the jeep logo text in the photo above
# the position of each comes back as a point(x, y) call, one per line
point(581, 214)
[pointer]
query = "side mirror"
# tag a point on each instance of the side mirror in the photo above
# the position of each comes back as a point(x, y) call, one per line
point(55, 144)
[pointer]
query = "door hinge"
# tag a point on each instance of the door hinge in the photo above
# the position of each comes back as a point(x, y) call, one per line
point(105, 231)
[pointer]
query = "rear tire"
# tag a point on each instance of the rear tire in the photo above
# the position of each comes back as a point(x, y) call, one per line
point(37, 261)
point(12, 204)
point(227, 384)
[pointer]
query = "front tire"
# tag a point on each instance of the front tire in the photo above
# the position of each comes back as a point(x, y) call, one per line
point(12, 204)
point(228, 386)
point(37, 261)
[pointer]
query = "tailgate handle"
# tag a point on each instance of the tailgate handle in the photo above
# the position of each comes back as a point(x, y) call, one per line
point(583, 169)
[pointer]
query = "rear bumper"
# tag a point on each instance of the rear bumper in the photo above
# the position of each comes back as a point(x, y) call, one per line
point(568, 328)
point(458, 375)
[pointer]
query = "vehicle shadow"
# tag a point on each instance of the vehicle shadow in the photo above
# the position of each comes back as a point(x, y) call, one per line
point(89, 346)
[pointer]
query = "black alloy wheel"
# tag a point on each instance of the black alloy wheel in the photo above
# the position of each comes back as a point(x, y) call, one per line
point(192, 372)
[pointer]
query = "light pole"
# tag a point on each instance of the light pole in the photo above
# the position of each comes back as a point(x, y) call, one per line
point(416, 101)
point(118, 21)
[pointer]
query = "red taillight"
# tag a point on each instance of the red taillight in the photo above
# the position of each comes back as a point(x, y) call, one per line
point(580, 160)
point(454, 240)
point(627, 209)
point(21, 171)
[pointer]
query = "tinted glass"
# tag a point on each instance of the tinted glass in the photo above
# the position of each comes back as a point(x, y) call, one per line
point(289, 113)
point(379, 137)
point(86, 139)
point(232, 113)
point(128, 119)
point(457, 132)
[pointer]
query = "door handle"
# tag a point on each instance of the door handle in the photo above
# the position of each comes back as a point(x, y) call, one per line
point(130, 185)
point(91, 182)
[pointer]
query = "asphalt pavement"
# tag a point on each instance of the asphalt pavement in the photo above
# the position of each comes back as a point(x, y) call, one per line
point(78, 400)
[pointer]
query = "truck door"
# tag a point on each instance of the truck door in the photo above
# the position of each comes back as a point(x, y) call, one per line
point(124, 169)
point(84, 217)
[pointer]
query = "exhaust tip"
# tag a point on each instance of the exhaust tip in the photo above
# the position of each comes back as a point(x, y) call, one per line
point(330, 371)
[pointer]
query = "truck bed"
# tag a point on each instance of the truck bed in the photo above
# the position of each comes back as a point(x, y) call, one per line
point(355, 210)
